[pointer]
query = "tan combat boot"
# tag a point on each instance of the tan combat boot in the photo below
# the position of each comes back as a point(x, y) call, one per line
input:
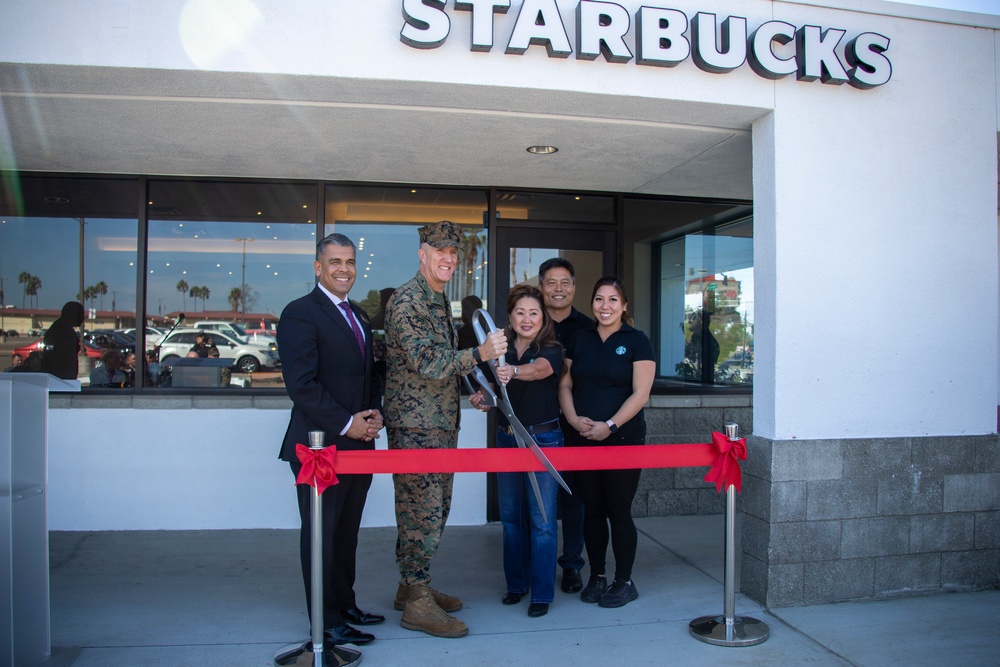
point(448, 603)
point(423, 613)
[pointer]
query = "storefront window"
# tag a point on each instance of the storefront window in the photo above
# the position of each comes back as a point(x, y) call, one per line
point(222, 258)
point(706, 305)
point(383, 224)
point(67, 239)
point(228, 257)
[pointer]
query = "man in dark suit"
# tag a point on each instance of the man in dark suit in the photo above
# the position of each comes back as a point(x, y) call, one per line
point(326, 355)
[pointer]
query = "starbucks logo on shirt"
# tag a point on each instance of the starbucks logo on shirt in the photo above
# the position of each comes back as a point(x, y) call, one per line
point(620, 350)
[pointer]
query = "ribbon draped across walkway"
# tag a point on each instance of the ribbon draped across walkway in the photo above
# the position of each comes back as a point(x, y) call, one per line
point(722, 454)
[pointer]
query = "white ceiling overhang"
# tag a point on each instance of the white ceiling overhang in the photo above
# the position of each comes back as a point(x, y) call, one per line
point(168, 122)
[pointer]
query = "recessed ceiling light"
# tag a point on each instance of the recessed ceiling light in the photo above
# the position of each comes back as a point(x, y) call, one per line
point(542, 150)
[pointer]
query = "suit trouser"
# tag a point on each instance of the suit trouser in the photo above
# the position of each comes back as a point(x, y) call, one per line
point(343, 505)
point(423, 503)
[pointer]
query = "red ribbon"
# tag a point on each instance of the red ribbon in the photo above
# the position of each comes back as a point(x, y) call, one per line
point(721, 454)
point(603, 457)
point(726, 468)
point(317, 467)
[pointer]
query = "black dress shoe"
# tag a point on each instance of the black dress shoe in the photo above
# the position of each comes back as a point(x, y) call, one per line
point(512, 598)
point(571, 581)
point(345, 634)
point(358, 617)
point(536, 609)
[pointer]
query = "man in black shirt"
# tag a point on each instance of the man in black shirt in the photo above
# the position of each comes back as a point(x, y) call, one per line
point(557, 280)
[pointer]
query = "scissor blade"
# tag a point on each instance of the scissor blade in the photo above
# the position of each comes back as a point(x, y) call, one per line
point(489, 397)
point(539, 454)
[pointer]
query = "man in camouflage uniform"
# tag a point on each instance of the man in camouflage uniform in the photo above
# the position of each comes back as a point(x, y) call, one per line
point(424, 369)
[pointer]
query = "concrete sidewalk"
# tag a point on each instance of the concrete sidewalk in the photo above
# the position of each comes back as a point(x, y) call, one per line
point(187, 598)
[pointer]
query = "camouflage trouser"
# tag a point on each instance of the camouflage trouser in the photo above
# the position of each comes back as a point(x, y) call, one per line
point(422, 504)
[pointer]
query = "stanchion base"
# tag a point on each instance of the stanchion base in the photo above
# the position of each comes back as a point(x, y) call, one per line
point(301, 655)
point(744, 631)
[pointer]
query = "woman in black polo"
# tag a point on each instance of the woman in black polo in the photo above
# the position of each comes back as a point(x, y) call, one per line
point(610, 371)
point(531, 374)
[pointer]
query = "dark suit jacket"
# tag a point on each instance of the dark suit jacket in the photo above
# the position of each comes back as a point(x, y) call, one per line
point(324, 373)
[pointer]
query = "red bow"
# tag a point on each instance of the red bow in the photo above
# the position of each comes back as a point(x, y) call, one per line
point(726, 468)
point(317, 467)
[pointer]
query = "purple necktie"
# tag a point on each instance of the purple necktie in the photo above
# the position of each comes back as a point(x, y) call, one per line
point(354, 325)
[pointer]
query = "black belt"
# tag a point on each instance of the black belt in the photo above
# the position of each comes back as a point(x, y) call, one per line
point(544, 427)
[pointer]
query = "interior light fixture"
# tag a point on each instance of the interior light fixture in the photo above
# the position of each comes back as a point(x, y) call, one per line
point(542, 150)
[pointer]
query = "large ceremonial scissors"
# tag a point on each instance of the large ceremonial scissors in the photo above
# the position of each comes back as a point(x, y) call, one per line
point(521, 434)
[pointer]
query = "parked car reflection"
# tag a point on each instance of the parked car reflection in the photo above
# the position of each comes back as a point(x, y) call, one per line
point(249, 356)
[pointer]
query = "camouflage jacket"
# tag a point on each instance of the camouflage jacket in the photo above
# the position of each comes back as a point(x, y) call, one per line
point(423, 366)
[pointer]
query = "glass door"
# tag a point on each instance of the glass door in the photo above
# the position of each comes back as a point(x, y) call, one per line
point(521, 250)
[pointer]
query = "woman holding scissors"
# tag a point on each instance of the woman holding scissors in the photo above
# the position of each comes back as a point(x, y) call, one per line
point(534, 362)
point(610, 371)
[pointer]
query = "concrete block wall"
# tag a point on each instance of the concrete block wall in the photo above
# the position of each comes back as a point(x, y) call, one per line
point(834, 520)
point(686, 419)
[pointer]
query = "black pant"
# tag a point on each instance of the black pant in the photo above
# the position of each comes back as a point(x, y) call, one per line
point(607, 500)
point(343, 505)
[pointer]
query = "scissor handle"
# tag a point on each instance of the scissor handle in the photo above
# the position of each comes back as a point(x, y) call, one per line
point(481, 333)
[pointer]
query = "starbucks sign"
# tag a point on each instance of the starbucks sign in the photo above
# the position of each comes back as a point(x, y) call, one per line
point(663, 37)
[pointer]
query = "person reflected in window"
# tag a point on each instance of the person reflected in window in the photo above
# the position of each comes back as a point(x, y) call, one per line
point(128, 368)
point(610, 371)
point(466, 334)
point(227, 374)
point(378, 336)
point(704, 346)
point(530, 536)
point(152, 369)
point(203, 344)
point(62, 344)
point(384, 294)
point(33, 364)
point(15, 361)
point(109, 373)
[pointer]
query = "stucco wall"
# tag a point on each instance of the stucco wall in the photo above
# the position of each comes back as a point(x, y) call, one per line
point(198, 463)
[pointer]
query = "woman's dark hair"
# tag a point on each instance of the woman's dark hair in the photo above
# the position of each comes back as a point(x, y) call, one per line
point(547, 334)
point(616, 282)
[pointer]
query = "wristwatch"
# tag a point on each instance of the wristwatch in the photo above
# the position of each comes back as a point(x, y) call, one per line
point(613, 426)
point(515, 369)
point(475, 355)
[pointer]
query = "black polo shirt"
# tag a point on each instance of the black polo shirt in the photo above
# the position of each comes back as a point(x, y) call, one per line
point(536, 401)
point(602, 370)
point(572, 323)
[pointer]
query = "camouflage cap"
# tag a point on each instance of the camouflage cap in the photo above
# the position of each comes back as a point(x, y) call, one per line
point(444, 234)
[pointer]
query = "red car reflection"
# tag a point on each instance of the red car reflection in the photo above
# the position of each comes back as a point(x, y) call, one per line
point(39, 345)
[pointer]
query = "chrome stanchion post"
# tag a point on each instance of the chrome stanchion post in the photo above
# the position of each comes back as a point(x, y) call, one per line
point(297, 654)
point(729, 629)
point(315, 443)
